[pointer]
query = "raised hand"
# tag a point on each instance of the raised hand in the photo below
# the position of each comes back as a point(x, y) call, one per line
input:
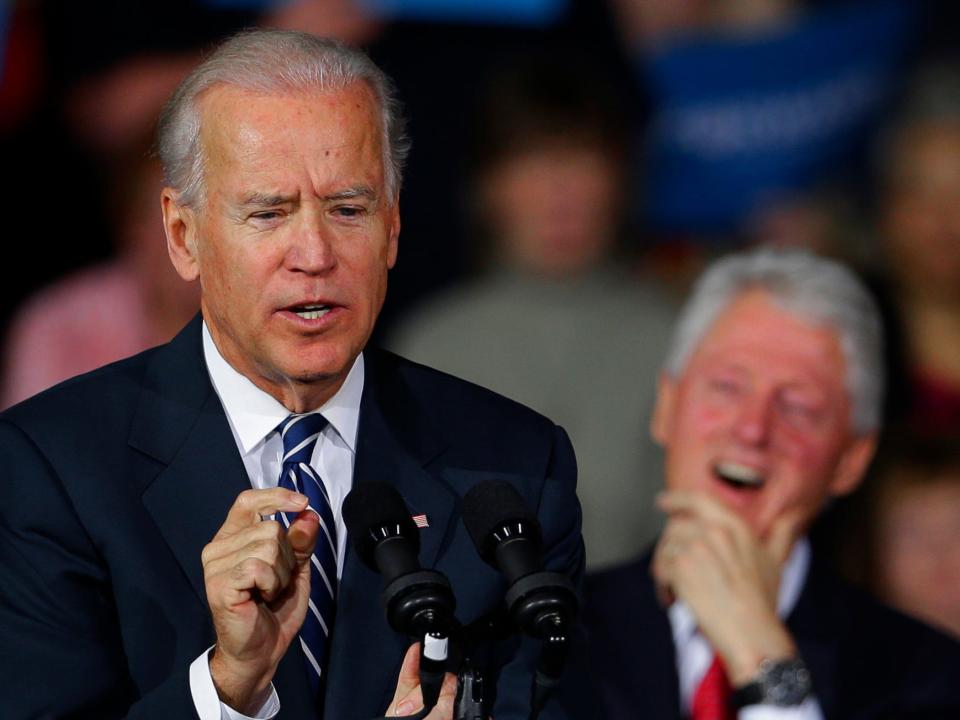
point(711, 559)
point(257, 577)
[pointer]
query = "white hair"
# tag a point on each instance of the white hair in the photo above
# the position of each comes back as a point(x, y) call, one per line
point(818, 290)
point(272, 61)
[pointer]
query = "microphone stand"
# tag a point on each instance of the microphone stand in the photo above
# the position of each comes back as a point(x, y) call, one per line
point(473, 699)
point(543, 605)
point(553, 654)
point(421, 604)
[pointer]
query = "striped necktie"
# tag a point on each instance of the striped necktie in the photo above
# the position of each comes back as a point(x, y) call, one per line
point(300, 433)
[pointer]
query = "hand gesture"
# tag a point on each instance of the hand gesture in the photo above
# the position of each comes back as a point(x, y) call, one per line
point(257, 577)
point(710, 558)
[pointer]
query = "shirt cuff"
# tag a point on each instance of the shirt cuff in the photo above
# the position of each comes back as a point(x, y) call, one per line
point(809, 709)
point(208, 704)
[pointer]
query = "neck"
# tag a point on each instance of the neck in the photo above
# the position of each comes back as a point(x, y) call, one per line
point(300, 397)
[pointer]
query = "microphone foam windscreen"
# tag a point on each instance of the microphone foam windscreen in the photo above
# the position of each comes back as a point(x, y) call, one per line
point(488, 505)
point(371, 505)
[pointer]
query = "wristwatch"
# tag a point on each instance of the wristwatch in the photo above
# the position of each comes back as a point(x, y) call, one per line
point(784, 683)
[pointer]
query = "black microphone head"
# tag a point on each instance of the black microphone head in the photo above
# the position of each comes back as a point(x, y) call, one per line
point(488, 506)
point(371, 506)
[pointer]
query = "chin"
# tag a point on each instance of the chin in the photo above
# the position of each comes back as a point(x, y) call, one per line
point(312, 376)
point(318, 364)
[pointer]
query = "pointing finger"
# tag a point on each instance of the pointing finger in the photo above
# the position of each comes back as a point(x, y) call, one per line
point(251, 505)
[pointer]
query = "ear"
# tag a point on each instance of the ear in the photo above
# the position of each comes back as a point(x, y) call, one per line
point(393, 233)
point(664, 409)
point(853, 465)
point(180, 226)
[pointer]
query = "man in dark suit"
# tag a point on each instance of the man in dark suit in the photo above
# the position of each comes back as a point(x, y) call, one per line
point(768, 406)
point(147, 568)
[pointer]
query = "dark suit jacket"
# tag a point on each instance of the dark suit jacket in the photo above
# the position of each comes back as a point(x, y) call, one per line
point(114, 481)
point(866, 660)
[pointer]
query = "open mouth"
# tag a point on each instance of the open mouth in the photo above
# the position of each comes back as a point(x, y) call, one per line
point(310, 312)
point(739, 476)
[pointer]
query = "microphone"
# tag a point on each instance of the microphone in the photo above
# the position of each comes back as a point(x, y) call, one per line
point(542, 604)
point(418, 603)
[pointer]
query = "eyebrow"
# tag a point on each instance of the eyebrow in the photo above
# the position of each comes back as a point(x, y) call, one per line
point(358, 191)
point(258, 199)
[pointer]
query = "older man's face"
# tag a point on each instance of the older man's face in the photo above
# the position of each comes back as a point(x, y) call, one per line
point(296, 235)
point(760, 417)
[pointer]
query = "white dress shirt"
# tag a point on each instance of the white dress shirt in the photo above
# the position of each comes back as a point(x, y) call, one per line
point(253, 416)
point(694, 654)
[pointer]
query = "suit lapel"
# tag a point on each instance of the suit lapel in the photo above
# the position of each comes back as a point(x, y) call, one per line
point(655, 669)
point(180, 422)
point(816, 624)
point(395, 443)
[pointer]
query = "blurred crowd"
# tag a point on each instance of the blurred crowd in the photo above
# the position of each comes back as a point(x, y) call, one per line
point(575, 164)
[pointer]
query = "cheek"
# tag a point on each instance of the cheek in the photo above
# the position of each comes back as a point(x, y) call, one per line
point(691, 438)
point(705, 420)
point(813, 450)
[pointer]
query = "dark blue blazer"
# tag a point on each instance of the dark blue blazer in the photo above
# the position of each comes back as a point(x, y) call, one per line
point(113, 482)
point(866, 660)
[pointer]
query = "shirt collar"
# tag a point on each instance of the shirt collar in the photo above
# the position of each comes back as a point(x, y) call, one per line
point(254, 414)
point(794, 574)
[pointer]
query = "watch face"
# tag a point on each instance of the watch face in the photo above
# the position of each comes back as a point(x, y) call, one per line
point(785, 683)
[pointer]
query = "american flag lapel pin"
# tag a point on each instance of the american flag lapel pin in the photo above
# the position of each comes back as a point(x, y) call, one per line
point(420, 521)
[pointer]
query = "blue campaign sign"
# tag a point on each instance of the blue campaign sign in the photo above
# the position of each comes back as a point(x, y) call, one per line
point(523, 12)
point(741, 120)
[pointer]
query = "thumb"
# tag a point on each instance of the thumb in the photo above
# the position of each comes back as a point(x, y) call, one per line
point(407, 699)
point(302, 534)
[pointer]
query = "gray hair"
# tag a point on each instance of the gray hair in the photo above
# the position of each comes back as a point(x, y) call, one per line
point(272, 61)
point(818, 290)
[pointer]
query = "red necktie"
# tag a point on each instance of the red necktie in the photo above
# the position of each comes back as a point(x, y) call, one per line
point(711, 701)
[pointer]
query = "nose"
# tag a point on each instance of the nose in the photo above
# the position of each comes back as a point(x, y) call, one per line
point(752, 423)
point(311, 250)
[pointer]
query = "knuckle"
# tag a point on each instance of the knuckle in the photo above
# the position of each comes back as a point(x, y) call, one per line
point(249, 566)
point(265, 549)
point(246, 499)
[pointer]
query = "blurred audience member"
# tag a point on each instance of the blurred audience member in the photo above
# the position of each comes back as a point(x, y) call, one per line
point(920, 211)
point(901, 536)
point(769, 406)
point(108, 311)
point(554, 322)
point(917, 525)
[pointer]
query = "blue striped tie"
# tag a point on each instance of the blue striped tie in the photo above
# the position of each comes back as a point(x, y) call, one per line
point(300, 433)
